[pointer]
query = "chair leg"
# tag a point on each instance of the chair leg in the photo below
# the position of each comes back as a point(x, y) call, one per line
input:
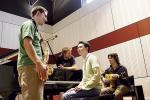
point(134, 98)
point(139, 93)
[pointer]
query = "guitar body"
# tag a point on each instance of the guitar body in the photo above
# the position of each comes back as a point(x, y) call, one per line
point(111, 82)
point(50, 69)
point(46, 51)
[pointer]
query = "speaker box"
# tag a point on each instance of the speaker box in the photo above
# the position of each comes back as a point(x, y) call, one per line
point(8, 78)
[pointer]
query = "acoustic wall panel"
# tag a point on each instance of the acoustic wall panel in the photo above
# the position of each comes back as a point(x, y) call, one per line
point(79, 61)
point(1, 29)
point(145, 40)
point(10, 36)
point(126, 12)
point(10, 18)
point(103, 20)
point(66, 21)
point(87, 27)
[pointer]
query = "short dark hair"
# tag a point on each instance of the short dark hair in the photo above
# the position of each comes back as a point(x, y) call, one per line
point(115, 56)
point(37, 8)
point(86, 44)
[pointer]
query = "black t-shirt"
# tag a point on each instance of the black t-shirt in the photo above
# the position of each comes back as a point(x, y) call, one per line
point(123, 75)
point(66, 63)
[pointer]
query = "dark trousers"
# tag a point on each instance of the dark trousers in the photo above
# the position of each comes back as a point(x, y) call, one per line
point(82, 93)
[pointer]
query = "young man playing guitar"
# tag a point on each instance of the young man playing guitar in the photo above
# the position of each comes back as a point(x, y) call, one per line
point(115, 78)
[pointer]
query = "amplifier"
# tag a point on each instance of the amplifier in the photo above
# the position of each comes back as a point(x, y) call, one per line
point(8, 78)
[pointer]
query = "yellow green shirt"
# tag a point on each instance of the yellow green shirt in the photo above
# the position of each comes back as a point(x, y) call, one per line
point(90, 80)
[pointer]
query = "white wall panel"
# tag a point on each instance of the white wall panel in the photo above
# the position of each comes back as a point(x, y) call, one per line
point(59, 43)
point(87, 27)
point(146, 50)
point(83, 29)
point(103, 20)
point(66, 21)
point(10, 18)
point(102, 56)
point(126, 12)
point(79, 62)
point(65, 38)
point(68, 36)
point(9, 29)
point(46, 29)
point(10, 36)
point(1, 29)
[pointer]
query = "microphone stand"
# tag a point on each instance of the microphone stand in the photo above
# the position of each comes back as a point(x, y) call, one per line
point(52, 53)
point(62, 71)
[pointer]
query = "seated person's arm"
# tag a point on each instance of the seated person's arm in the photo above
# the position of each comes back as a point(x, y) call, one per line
point(73, 67)
point(122, 74)
point(72, 62)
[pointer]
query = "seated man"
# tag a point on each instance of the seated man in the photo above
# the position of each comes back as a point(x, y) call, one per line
point(116, 76)
point(66, 61)
point(67, 69)
point(90, 84)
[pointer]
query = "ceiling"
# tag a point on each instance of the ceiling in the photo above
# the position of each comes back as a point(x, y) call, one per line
point(58, 9)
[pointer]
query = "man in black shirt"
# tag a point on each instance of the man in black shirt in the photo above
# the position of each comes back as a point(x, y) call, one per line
point(115, 78)
point(66, 61)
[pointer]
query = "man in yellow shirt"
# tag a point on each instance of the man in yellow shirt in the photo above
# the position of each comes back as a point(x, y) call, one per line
point(90, 84)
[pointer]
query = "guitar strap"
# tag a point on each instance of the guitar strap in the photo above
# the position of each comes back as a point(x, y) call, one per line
point(36, 30)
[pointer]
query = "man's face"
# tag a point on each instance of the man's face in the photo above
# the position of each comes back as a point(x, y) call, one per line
point(111, 60)
point(68, 54)
point(42, 18)
point(81, 49)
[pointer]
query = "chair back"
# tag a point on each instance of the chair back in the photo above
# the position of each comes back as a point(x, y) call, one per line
point(131, 80)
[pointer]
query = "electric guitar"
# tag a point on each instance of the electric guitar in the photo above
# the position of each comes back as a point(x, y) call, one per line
point(45, 50)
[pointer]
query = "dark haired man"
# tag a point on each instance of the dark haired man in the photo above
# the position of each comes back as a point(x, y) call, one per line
point(31, 69)
point(116, 77)
point(90, 84)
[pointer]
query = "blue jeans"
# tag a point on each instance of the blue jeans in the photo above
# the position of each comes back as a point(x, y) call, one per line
point(82, 93)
